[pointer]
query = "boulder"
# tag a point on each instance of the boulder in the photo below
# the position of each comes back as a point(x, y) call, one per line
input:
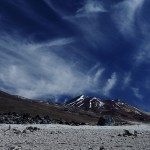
point(101, 121)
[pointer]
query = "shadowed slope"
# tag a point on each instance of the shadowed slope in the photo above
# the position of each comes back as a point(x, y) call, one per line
point(11, 103)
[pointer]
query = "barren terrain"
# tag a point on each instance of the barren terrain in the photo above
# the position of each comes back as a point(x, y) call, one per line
point(55, 137)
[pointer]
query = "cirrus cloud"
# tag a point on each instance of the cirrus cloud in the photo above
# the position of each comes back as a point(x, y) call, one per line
point(111, 82)
point(125, 14)
point(34, 73)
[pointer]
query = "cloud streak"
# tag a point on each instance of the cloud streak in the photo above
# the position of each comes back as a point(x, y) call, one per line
point(143, 53)
point(35, 74)
point(125, 14)
point(111, 82)
point(89, 7)
point(137, 93)
point(126, 80)
point(53, 48)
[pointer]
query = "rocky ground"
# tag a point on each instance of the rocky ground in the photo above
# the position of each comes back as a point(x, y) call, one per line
point(64, 137)
point(26, 118)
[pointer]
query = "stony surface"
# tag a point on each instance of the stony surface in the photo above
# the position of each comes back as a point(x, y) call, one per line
point(26, 118)
point(63, 137)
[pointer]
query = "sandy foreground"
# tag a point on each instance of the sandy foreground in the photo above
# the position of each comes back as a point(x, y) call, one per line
point(63, 137)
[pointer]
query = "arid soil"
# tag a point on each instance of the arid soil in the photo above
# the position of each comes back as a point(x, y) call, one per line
point(63, 137)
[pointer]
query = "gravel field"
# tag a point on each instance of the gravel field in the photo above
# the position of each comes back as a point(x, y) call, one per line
point(63, 137)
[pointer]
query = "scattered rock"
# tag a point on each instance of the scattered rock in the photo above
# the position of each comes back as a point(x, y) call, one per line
point(26, 131)
point(135, 133)
point(106, 120)
point(101, 121)
point(9, 127)
point(26, 118)
point(16, 131)
point(127, 133)
point(15, 148)
point(53, 132)
point(32, 129)
point(101, 148)
point(90, 148)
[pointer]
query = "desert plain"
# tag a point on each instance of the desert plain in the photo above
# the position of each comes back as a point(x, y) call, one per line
point(65, 137)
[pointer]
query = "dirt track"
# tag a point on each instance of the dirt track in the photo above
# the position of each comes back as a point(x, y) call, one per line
point(62, 137)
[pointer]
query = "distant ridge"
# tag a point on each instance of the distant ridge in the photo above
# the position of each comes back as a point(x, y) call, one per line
point(116, 108)
point(12, 103)
point(83, 109)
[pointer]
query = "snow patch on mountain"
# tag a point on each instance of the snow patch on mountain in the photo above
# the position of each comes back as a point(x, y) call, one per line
point(101, 104)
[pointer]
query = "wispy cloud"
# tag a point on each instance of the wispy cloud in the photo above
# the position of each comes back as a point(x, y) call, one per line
point(143, 53)
point(53, 43)
point(89, 7)
point(58, 48)
point(111, 82)
point(125, 14)
point(34, 73)
point(127, 80)
point(85, 20)
point(136, 92)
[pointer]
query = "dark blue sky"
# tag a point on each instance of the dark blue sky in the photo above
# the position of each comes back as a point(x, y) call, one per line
point(57, 48)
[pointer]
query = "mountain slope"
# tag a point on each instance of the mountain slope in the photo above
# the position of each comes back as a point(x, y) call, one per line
point(86, 103)
point(115, 108)
point(20, 105)
point(80, 109)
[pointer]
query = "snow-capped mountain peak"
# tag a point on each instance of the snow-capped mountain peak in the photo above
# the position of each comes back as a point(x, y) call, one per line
point(97, 105)
point(86, 102)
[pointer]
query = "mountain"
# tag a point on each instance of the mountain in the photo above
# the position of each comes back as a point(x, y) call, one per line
point(117, 109)
point(87, 103)
point(58, 112)
point(80, 110)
